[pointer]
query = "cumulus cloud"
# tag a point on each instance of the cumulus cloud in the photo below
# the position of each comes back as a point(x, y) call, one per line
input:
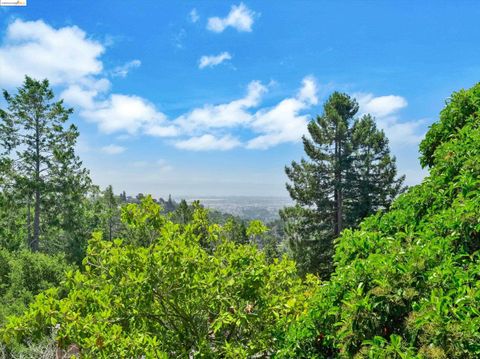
point(385, 110)
point(113, 149)
point(123, 113)
point(308, 92)
point(208, 142)
point(76, 95)
point(64, 55)
point(71, 60)
point(68, 58)
point(380, 106)
point(211, 61)
point(118, 113)
point(284, 122)
point(240, 18)
point(228, 115)
point(122, 71)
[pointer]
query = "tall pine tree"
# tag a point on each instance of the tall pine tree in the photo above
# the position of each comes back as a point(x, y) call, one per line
point(350, 174)
point(47, 173)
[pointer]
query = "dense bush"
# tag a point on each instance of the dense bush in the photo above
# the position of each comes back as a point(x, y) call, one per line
point(406, 283)
point(168, 290)
point(23, 275)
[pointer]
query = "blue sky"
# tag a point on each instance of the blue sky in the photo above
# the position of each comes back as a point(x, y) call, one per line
point(211, 98)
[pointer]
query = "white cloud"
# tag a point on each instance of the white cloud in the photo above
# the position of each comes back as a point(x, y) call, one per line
point(76, 95)
point(380, 106)
point(72, 61)
point(123, 113)
point(227, 115)
point(208, 142)
point(281, 123)
point(162, 130)
point(385, 110)
point(122, 71)
point(194, 17)
point(113, 149)
point(34, 48)
point(284, 122)
point(308, 92)
point(240, 17)
point(118, 112)
point(68, 58)
point(211, 61)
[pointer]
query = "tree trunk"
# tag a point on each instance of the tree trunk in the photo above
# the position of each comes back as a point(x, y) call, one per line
point(29, 222)
point(340, 211)
point(110, 229)
point(36, 215)
point(338, 185)
point(36, 222)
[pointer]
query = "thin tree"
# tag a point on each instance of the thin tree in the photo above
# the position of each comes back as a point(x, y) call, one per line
point(36, 138)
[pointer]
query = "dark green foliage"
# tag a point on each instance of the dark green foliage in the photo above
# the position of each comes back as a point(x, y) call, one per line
point(372, 181)
point(235, 230)
point(169, 205)
point(406, 283)
point(350, 174)
point(13, 229)
point(23, 275)
point(183, 213)
point(45, 177)
point(110, 225)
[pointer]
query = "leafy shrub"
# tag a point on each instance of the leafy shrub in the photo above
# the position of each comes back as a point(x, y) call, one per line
point(181, 290)
point(23, 275)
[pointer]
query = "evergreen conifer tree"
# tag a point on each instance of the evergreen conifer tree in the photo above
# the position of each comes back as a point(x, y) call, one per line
point(349, 175)
point(40, 146)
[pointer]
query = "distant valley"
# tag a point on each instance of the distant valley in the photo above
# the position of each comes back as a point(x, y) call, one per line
point(246, 207)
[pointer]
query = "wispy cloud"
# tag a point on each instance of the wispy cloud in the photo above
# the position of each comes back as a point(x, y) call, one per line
point(122, 71)
point(385, 109)
point(113, 149)
point(283, 122)
point(161, 165)
point(211, 61)
point(240, 18)
point(223, 116)
point(194, 17)
point(208, 142)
